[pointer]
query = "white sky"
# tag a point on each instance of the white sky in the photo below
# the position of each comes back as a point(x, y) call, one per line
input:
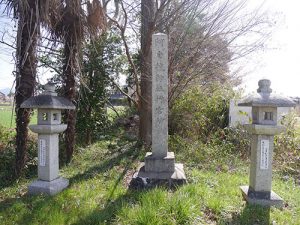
point(279, 62)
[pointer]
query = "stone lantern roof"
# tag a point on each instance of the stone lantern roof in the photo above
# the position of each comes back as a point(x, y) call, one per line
point(48, 100)
point(264, 98)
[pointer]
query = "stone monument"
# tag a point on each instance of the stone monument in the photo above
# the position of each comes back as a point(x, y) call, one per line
point(49, 125)
point(160, 163)
point(263, 128)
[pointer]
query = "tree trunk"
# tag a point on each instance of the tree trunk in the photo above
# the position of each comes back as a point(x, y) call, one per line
point(72, 45)
point(28, 32)
point(70, 93)
point(145, 131)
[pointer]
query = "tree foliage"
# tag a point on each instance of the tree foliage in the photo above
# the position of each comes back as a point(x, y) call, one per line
point(101, 61)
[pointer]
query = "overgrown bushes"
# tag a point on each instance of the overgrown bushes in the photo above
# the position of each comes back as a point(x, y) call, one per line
point(7, 156)
point(199, 114)
point(199, 133)
point(199, 127)
point(287, 146)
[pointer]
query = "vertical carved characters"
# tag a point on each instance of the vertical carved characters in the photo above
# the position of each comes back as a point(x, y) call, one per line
point(159, 95)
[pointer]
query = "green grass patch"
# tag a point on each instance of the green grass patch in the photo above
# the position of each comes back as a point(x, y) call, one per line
point(98, 194)
point(7, 116)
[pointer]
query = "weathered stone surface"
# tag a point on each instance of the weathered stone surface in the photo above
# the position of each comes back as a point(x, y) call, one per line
point(48, 187)
point(143, 179)
point(264, 129)
point(48, 102)
point(265, 98)
point(160, 95)
point(48, 127)
point(159, 167)
point(261, 162)
point(49, 116)
point(165, 164)
point(274, 200)
point(240, 115)
point(48, 165)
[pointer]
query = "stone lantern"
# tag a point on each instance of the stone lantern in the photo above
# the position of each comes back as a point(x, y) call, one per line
point(49, 107)
point(263, 128)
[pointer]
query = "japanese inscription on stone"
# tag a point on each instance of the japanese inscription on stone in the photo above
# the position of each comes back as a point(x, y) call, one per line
point(159, 95)
point(264, 156)
point(42, 152)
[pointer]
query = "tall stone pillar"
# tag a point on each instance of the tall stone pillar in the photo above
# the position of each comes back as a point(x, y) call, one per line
point(160, 95)
point(160, 163)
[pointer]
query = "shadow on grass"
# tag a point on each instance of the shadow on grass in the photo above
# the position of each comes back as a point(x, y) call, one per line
point(36, 205)
point(250, 215)
point(107, 213)
point(33, 205)
point(128, 156)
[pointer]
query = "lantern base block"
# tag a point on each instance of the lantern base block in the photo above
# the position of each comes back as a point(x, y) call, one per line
point(48, 187)
point(274, 200)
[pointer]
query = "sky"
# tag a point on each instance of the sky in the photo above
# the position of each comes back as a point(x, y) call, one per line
point(279, 61)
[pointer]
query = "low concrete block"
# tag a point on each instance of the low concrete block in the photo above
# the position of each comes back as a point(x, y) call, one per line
point(275, 200)
point(143, 179)
point(48, 187)
point(162, 165)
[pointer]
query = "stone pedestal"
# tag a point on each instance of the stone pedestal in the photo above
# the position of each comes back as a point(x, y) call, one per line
point(48, 187)
point(174, 178)
point(260, 198)
point(160, 164)
point(162, 168)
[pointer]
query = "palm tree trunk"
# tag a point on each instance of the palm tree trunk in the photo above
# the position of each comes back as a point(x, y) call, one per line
point(73, 38)
point(70, 93)
point(28, 32)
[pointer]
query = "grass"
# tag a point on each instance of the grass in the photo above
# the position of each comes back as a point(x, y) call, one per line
point(98, 194)
point(7, 116)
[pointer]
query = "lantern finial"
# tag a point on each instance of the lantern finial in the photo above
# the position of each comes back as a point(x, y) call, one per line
point(50, 89)
point(264, 87)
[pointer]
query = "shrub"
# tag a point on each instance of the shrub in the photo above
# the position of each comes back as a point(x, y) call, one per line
point(6, 136)
point(199, 115)
point(287, 146)
point(205, 156)
point(7, 155)
point(198, 128)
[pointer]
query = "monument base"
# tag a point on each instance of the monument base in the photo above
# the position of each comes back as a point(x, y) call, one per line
point(158, 165)
point(148, 179)
point(48, 187)
point(275, 200)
